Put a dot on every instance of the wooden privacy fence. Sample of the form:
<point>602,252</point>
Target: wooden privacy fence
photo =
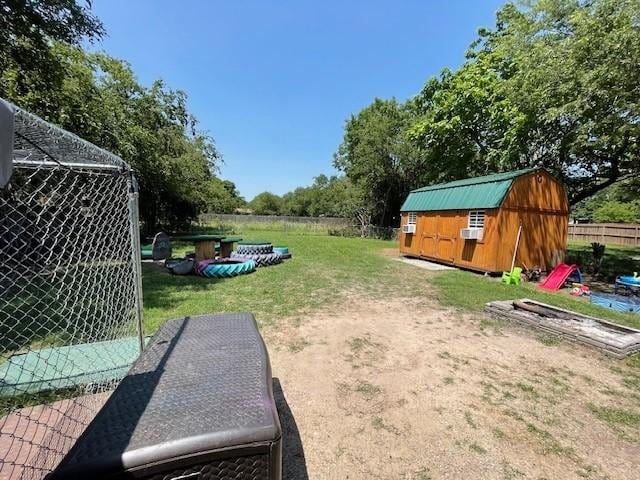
<point>618,233</point>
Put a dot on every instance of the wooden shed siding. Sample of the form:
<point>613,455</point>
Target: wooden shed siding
<point>543,240</point>
<point>540,202</point>
<point>529,193</point>
<point>537,200</point>
<point>438,237</point>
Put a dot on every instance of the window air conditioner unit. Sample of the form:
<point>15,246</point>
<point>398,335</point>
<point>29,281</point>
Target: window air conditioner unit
<point>409,228</point>
<point>471,233</point>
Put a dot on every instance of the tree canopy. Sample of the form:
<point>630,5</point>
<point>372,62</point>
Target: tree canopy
<point>554,83</point>
<point>571,67</point>
<point>28,64</point>
<point>99,98</point>
<point>266,203</point>
<point>619,203</point>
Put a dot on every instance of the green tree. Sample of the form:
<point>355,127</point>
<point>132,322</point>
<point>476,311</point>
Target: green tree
<point>571,68</point>
<point>613,211</point>
<point>266,203</point>
<point>555,84</point>
<point>617,203</point>
<point>327,196</point>
<point>377,157</point>
<point>28,30</point>
<point>466,126</point>
<point>100,100</point>
<point>45,20</point>
<point>297,202</point>
<point>223,197</point>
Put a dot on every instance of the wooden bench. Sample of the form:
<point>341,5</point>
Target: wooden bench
<point>197,404</point>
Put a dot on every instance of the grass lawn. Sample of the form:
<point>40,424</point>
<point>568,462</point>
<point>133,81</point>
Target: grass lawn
<point>471,291</point>
<point>325,269</point>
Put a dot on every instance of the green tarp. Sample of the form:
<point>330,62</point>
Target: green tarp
<point>68,366</point>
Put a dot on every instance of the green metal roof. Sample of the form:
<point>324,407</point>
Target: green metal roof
<point>479,192</point>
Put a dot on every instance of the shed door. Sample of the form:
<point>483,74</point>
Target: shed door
<point>429,234</point>
<point>447,236</point>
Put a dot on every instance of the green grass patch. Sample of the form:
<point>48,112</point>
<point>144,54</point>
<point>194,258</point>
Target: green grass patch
<point>368,390</point>
<point>623,421</point>
<point>297,345</point>
<point>510,472</point>
<point>527,389</point>
<point>632,381</point>
<point>616,416</point>
<point>9,404</point>
<point>322,271</point>
<point>470,420</point>
<point>549,340</point>
<point>378,423</point>
<point>549,443</point>
<point>477,448</point>
<point>471,291</point>
<point>498,433</point>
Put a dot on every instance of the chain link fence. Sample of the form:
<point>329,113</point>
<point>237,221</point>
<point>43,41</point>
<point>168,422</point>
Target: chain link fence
<point>70,289</point>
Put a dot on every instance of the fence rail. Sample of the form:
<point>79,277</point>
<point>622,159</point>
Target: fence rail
<point>232,218</point>
<point>616,233</point>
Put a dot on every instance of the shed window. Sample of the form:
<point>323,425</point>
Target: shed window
<point>412,218</point>
<point>476,219</point>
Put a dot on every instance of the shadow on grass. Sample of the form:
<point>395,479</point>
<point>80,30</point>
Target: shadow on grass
<point>79,303</point>
<point>618,260</point>
<point>159,285</point>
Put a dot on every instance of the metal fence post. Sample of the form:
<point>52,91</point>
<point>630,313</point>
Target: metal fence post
<point>136,257</point>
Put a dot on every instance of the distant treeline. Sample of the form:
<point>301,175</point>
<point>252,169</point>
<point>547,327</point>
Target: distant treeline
<point>327,196</point>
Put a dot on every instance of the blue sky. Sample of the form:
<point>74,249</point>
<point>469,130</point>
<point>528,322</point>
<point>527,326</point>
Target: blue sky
<point>274,81</point>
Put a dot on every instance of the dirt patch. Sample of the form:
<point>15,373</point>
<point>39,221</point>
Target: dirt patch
<point>391,252</point>
<point>400,389</point>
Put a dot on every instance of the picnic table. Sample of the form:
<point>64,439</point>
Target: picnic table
<point>226,245</point>
<point>205,244</point>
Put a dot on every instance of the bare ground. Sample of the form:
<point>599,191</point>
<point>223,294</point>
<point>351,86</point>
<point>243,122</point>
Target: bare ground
<point>400,388</point>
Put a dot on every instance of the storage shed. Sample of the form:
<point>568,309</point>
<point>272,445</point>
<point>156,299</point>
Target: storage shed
<point>474,223</point>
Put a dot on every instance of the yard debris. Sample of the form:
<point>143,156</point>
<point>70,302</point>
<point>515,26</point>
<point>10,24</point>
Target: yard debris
<point>580,290</point>
<point>615,340</point>
<point>629,285</point>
